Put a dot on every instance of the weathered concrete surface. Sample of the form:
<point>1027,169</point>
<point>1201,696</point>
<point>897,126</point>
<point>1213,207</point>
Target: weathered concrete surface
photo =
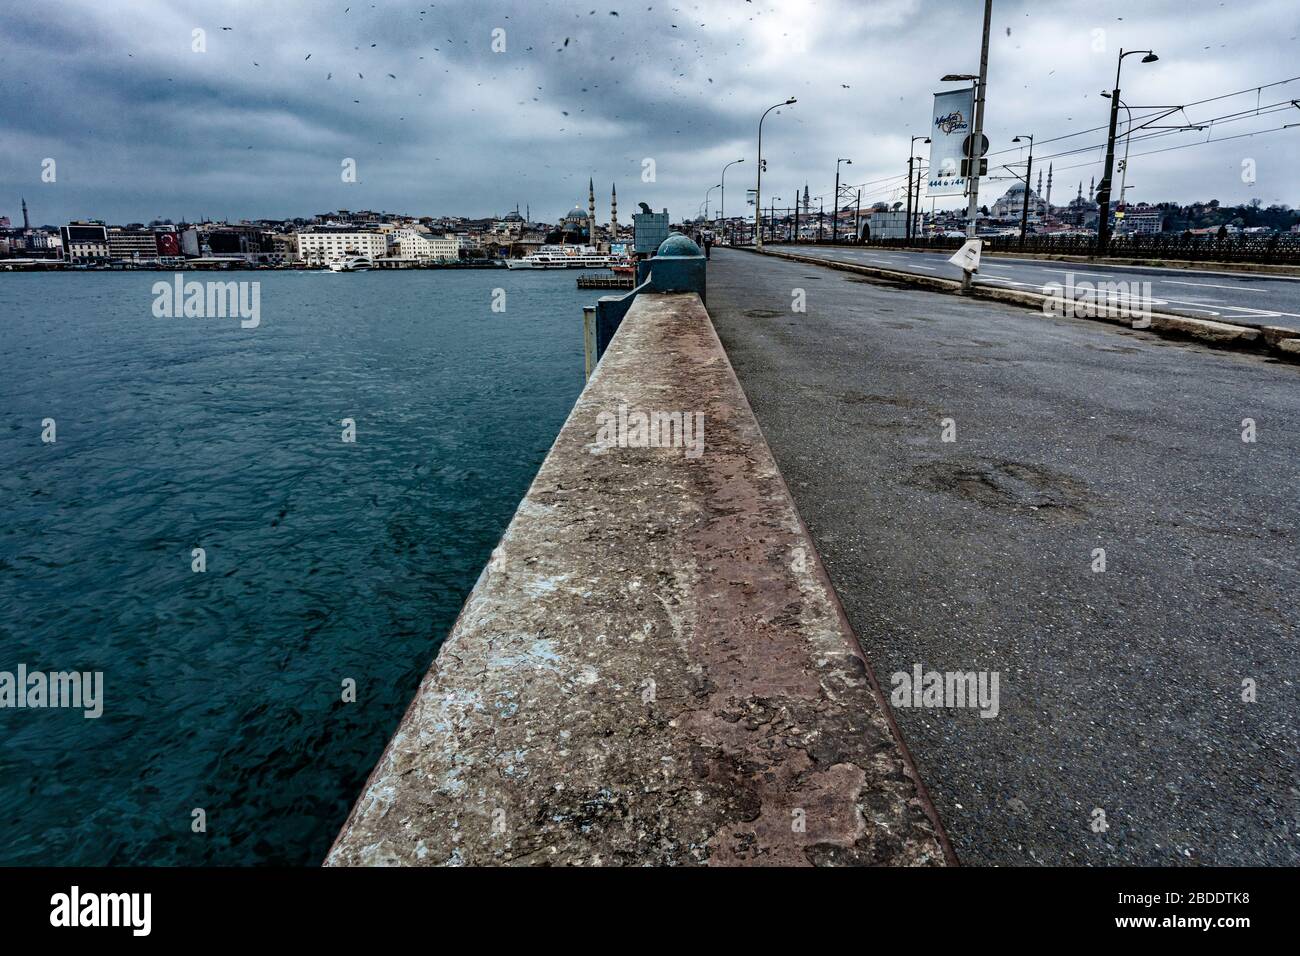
<point>1120,690</point>
<point>653,668</point>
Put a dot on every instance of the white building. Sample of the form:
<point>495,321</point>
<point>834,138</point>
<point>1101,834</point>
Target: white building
<point>327,246</point>
<point>1142,219</point>
<point>421,245</point>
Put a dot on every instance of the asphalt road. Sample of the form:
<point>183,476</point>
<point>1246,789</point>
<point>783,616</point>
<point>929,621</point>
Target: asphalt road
<point>1120,690</point>
<point>1240,297</point>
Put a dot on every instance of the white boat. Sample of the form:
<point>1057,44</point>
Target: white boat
<point>565,257</point>
<point>351,264</point>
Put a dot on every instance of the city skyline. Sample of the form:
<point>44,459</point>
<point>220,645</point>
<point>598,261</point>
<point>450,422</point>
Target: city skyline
<point>260,122</point>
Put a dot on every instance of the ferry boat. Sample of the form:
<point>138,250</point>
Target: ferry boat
<point>351,264</point>
<point>565,257</point>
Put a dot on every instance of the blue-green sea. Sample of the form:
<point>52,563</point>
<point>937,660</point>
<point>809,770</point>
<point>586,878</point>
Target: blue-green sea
<point>326,561</point>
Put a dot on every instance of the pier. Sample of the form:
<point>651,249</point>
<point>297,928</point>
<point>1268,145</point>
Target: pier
<point>653,667</point>
<point>605,282</point>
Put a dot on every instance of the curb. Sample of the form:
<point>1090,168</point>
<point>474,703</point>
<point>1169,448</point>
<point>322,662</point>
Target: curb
<point>1283,271</point>
<point>1274,341</point>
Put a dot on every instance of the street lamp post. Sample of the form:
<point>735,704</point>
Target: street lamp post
<point>771,216</point>
<point>1103,190</point>
<point>707,193</point>
<point>758,185</point>
<point>835,216</point>
<point>722,202</point>
<point>911,148</point>
<point>1029,169</point>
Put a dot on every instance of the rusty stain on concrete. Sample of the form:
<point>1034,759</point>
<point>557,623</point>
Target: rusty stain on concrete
<point>653,668</point>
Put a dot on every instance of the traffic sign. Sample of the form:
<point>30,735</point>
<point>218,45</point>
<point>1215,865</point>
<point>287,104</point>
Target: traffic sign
<point>968,142</point>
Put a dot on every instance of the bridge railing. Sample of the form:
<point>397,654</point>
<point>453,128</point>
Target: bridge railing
<point>1280,249</point>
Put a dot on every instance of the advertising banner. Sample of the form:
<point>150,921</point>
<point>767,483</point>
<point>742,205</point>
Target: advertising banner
<point>950,124</point>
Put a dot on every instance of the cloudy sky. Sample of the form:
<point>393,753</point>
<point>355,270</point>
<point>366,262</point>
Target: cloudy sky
<point>143,125</point>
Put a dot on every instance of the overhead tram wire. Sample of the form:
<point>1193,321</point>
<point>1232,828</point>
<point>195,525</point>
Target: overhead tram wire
<point>1210,99</point>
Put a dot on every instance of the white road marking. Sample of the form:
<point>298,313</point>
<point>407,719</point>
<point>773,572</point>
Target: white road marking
<point>1207,285</point>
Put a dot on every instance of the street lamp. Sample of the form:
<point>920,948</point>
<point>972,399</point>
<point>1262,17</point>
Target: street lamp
<point>1029,169</point>
<point>707,193</point>
<point>758,185</point>
<point>722,214</point>
<point>835,216</point>
<point>1103,192</point>
<point>911,148</point>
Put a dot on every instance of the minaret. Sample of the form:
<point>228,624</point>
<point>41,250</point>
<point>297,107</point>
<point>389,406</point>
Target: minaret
<point>591,212</point>
<point>613,213</point>
<point>807,202</point>
<point>1049,187</point>
<point>1092,188</point>
<point>27,226</point>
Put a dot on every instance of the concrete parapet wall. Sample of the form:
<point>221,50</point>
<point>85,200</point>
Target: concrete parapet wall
<point>653,667</point>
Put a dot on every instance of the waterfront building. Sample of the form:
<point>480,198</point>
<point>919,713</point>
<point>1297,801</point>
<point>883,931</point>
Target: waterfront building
<point>323,246</point>
<point>84,241</point>
<point>134,244</point>
<point>420,245</point>
<point>286,246</point>
<point>248,242</point>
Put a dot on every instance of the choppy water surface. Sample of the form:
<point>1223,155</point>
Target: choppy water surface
<point>325,560</point>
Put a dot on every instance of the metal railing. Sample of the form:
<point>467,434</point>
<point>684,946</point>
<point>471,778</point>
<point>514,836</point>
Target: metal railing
<point>1283,249</point>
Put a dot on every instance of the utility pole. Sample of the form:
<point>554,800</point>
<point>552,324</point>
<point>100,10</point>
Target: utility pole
<point>796,214</point>
<point>821,215</point>
<point>917,205</point>
<point>1029,169</point>
<point>857,219</point>
<point>907,228</point>
<point>835,221</point>
<point>977,139</point>
<point>1103,191</point>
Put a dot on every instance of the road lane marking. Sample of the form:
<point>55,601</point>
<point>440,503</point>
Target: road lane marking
<point>1208,285</point>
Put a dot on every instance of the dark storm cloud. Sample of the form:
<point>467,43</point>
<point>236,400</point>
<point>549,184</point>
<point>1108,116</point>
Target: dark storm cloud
<point>142,126</point>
